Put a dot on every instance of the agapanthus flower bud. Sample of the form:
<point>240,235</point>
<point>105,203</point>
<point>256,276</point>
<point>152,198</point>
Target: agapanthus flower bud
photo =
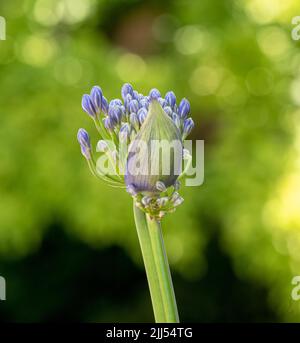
<point>144,166</point>
<point>160,186</point>
<point>124,132</point>
<point>108,124</point>
<point>127,100</point>
<point>162,201</point>
<point>188,125</point>
<point>115,115</point>
<point>144,103</point>
<point>142,113</point>
<point>88,106</point>
<point>171,98</point>
<point>184,108</point>
<point>154,94</point>
<point>134,120</point>
<point>176,119</point>
<point>126,89</point>
<point>162,102</point>
<point>102,146</point>
<point>115,102</point>
<point>104,105</point>
<point>133,106</point>
<point>146,200</point>
<point>175,196</point>
<point>96,96</point>
<point>84,141</point>
<point>135,95</point>
<point>178,201</point>
<point>168,110</point>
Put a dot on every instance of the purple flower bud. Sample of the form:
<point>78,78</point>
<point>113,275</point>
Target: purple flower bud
<point>123,111</point>
<point>127,101</point>
<point>124,132</point>
<point>134,120</point>
<point>176,119</point>
<point>162,102</point>
<point>115,114</point>
<point>88,105</point>
<point>84,141</point>
<point>188,125</point>
<point>133,106</point>
<point>154,93</point>
<point>126,89</point>
<point>168,110</point>
<point>184,108</point>
<point>104,105</point>
<point>135,95</point>
<point>171,98</point>
<point>115,102</point>
<point>108,124</point>
<point>142,113</point>
<point>96,96</point>
<point>144,103</point>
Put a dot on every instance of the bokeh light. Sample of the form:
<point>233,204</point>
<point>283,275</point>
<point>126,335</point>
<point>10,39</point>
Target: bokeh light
<point>130,66</point>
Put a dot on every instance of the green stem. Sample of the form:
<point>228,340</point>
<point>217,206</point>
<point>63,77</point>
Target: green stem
<point>157,268</point>
<point>163,269</point>
<point>101,129</point>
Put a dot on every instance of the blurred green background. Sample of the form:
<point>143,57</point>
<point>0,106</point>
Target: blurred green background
<point>68,246</point>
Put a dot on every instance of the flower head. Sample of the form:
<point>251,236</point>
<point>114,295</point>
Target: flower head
<point>144,131</point>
